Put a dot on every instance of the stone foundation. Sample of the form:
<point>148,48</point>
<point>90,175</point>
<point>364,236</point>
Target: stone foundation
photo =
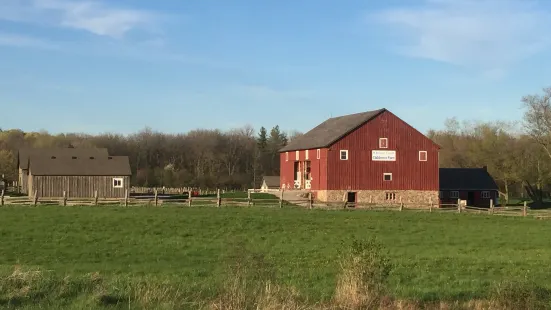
<point>409,198</point>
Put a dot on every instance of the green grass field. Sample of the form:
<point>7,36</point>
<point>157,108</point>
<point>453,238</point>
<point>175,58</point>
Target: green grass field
<point>435,256</point>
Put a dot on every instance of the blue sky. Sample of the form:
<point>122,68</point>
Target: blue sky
<point>119,66</point>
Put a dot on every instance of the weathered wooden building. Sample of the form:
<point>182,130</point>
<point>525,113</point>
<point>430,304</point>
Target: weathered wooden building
<point>23,156</point>
<point>270,182</point>
<point>474,185</point>
<point>50,176</point>
<point>372,156</point>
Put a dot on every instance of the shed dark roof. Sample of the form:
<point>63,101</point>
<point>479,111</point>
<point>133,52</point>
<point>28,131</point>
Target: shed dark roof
<point>331,131</point>
<point>26,153</point>
<point>101,166</point>
<point>272,180</point>
<point>466,179</point>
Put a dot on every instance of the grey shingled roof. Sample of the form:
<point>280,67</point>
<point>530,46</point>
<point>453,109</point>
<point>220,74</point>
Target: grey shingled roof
<point>466,179</point>
<point>272,180</point>
<point>25,153</point>
<point>330,131</point>
<point>84,166</point>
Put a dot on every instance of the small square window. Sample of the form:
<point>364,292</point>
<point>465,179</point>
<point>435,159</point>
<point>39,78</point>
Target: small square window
<point>344,154</point>
<point>390,196</point>
<point>387,176</point>
<point>318,153</point>
<point>383,143</point>
<point>485,194</point>
<point>306,154</point>
<point>297,155</point>
<point>422,155</point>
<point>118,182</point>
<point>286,156</point>
<point>454,194</point>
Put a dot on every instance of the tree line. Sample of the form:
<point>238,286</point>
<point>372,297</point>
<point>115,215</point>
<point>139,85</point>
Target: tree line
<point>517,154</point>
<point>236,158</point>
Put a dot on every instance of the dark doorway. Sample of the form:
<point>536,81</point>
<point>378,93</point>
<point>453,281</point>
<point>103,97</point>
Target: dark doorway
<point>351,199</point>
<point>470,199</point>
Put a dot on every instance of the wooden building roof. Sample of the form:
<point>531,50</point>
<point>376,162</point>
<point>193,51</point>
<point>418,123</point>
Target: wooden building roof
<point>79,166</point>
<point>466,179</point>
<point>330,131</point>
<point>272,180</point>
<point>24,154</point>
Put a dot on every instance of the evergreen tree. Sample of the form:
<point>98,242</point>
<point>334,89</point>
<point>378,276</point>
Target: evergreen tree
<point>262,140</point>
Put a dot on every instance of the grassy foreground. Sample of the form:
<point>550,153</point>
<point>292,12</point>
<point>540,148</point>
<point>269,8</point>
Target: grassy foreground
<point>116,257</point>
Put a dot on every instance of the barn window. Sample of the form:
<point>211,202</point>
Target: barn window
<point>383,143</point>
<point>454,194</point>
<point>297,155</point>
<point>306,154</point>
<point>286,156</point>
<point>387,176</point>
<point>390,196</point>
<point>486,194</point>
<point>422,155</point>
<point>118,182</point>
<point>344,154</point>
<point>318,153</point>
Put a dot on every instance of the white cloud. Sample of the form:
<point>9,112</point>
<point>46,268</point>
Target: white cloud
<point>16,40</point>
<point>93,16</point>
<point>487,34</point>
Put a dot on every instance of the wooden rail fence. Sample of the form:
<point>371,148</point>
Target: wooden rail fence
<point>309,203</point>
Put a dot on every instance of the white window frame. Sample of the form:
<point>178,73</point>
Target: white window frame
<point>381,145</point>
<point>454,194</point>
<point>341,152</point>
<point>318,153</point>
<point>426,155</point>
<point>297,155</point>
<point>116,180</point>
<point>440,194</point>
<point>385,174</point>
<point>390,196</point>
<point>286,156</point>
<point>306,154</point>
<point>485,195</point>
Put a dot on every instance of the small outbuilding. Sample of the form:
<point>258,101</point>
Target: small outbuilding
<point>474,185</point>
<point>270,183</point>
<point>81,177</point>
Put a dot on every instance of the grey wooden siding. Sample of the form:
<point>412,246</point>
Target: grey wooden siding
<point>23,182</point>
<point>78,186</point>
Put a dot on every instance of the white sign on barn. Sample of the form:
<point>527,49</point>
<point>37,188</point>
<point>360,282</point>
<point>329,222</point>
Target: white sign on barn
<point>377,155</point>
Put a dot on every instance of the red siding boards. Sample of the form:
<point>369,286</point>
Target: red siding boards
<point>318,168</point>
<point>360,172</point>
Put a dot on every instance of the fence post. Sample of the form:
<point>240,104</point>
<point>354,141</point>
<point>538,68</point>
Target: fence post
<point>281,198</point>
<point>401,204</point>
<point>309,200</point>
<point>248,198</point>
<point>525,209</point>
<point>491,206</point>
<point>189,199</point>
<point>64,198</point>
<point>35,197</point>
<point>156,197</point>
<point>345,199</point>
<point>430,204</point>
<point>126,197</point>
<point>96,198</point>
<point>218,199</point>
<point>2,198</point>
<point>458,205</point>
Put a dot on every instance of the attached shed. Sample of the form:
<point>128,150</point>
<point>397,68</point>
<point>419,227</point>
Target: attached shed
<point>475,185</point>
<point>79,177</point>
<point>24,154</point>
<point>270,183</point>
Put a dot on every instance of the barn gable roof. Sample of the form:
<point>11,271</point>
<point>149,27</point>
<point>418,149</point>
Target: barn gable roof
<point>272,180</point>
<point>79,166</point>
<point>466,179</point>
<point>330,131</point>
<point>24,154</point>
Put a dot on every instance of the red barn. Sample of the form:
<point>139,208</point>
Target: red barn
<point>474,185</point>
<point>372,156</point>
